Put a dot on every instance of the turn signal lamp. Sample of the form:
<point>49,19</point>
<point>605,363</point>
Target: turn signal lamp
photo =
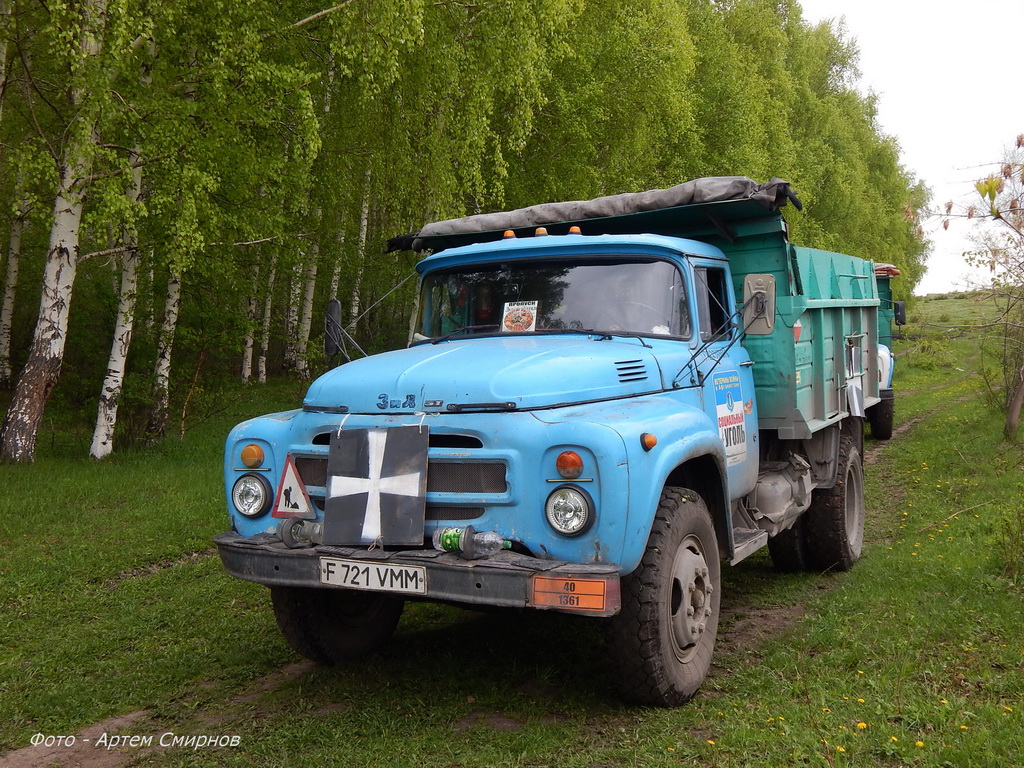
<point>569,465</point>
<point>541,231</point>
<point>509,235</point>
<point>252,456</point>
<point>648,441</point>
<point>574,230</point>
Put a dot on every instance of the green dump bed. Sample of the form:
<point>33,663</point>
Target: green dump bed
<point>819,364</point>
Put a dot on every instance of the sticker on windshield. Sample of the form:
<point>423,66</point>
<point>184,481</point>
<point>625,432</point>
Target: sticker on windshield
<point>732,415</point>
<point>519,316</point>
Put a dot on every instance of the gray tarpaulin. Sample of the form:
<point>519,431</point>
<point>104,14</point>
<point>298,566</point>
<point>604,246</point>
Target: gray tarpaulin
<point>771,195</point>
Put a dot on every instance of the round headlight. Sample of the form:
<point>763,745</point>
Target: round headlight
<point>569,510</point>
<point>251,495</point>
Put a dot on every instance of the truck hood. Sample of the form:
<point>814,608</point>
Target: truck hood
<point>519,372</point>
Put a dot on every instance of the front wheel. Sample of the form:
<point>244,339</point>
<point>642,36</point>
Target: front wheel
<point>662,640</point>
<point>331,625</point>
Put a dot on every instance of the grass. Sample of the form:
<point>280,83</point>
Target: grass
<point>113,604</point>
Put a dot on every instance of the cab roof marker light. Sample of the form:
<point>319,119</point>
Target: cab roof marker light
<point>509,235</point>
<point>540,231</point>
<point>575,230</point>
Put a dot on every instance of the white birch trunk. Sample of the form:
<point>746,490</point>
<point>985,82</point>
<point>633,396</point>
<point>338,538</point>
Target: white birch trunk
<point>291,320</point>
<point>357,281</point>
<point>261,368</point>
<point>162,372</point>
<point>42,369</point>
<point>251,304</point>
<point>113,382</point>
<point>10,291</point>
<point>336,272</point>
<point>306,315</point>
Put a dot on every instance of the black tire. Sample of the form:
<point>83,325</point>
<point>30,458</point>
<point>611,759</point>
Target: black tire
<point>835,520</point>
<point>662,640</point>
<point>789,549</point>
<point>332,625</point>
<point>880,417</point>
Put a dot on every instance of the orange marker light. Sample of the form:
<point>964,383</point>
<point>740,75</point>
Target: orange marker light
<point>509,235</point>
<point>648,441</point>
<point>541,231</point>
<point>569,465</point>
<point>574,230</point>
<point>252,456</point>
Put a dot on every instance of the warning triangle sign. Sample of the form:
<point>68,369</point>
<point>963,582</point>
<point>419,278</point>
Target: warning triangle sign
<point>292,499</point>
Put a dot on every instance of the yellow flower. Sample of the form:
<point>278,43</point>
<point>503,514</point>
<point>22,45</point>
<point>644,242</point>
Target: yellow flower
<point>825,709</point>
<point>861,726</point>
<point>860,701</point>
<point>963,727</point>
<point>840,749</point>
<point>1008,709</point>
<point>918,743</point>
<point>711,742</point>
<point>894,738</point>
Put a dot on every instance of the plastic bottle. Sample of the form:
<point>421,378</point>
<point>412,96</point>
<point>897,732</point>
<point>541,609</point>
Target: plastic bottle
<point>470,544</point>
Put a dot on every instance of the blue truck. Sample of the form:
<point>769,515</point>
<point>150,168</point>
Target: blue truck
<point>601,402</point>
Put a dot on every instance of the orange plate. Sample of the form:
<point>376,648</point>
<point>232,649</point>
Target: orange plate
<point>569,594</point>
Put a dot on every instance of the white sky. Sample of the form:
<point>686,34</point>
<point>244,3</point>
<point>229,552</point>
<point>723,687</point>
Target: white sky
<point>948,77</point>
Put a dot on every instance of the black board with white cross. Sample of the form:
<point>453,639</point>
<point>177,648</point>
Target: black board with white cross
<point>376,487</point>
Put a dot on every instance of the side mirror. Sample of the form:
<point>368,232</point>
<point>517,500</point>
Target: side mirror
<point>899,310</point>
<point>759,304</point>
<point>332,328</point>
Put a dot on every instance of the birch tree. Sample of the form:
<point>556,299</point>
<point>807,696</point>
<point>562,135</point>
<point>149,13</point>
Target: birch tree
<point>74,162</point>
<point>999,237</point>
<point>113,381</point>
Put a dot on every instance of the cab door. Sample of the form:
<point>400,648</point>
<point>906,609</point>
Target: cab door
<point>725,369</point>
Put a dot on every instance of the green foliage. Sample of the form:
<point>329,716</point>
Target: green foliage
<point>262,129</point>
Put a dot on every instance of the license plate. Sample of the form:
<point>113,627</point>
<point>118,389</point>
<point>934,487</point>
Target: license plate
<point>379,577</point>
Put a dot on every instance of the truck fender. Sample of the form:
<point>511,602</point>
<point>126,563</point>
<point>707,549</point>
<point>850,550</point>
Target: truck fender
<point>696,460</point>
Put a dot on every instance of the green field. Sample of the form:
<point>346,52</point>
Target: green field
<point>117,619</point>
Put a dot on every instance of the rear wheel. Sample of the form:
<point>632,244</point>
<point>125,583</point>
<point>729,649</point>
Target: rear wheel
<point>331,625</point>
<point>789,550</point>
<point>663,638</point>
<point>880,417</point>
<point>835,520</point>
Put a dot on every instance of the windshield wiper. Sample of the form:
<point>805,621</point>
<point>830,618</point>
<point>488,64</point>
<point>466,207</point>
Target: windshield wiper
<point>464,329</point>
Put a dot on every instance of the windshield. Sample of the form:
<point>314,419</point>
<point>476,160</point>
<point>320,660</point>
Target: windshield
<point>611,295</point>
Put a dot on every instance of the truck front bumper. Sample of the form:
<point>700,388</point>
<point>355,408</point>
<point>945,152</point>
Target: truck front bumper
<point>506,579</point>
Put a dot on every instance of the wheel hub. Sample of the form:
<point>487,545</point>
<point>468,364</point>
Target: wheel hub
<point>691,598</point>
